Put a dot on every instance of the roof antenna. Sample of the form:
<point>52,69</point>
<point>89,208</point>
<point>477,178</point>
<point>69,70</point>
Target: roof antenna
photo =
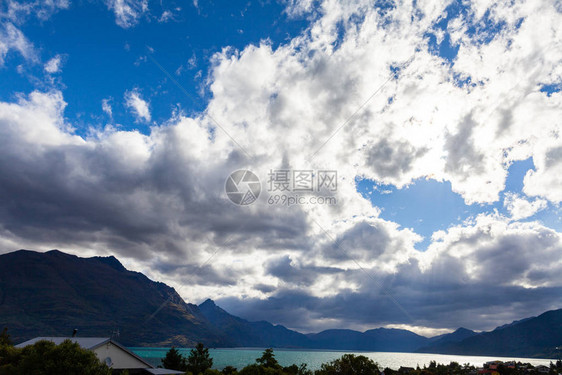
<point>74,332</point>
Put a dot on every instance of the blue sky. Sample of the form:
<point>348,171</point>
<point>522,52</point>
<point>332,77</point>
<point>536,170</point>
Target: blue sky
<point>110,114</point>
<point>103,60</point>
<point>428,205</point>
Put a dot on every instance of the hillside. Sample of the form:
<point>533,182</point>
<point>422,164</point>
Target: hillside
<point>50,294</point>
<point>251,334</point>
<point>380,339</point>
<point>265,334</point>
<point>532,337</point>
<point>436,343</point>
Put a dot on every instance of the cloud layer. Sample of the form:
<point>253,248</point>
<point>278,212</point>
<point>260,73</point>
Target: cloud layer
<point>361,91</point>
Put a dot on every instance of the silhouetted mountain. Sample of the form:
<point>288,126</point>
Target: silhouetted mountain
<point>50,294</point>
<point>380,339</point>
<point>513,323</point>
<point>437,342</point>
<point>264,334</point>
<point>251,334</point>
<point>534,337</point>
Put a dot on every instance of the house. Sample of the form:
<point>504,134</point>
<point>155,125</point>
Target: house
<point>110,352</point>
<point>542,369</point>
<point>493,365</point>
<point>488,372</point>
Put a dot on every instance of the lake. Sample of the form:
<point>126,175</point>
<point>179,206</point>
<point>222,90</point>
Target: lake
<point>241,357</point>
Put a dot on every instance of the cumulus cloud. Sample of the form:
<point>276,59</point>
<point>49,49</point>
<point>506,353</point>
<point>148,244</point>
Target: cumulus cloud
<point>472,270</point>
<point>360,91</point>
<point>521,208</point>
<point>137,105</point>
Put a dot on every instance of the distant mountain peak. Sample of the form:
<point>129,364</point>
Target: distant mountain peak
<point>462,329</point>
<point>209,302</point>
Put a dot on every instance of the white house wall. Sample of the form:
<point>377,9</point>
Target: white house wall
<point>120,358</point>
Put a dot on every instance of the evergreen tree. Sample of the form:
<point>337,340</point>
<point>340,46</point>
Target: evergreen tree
<point>5,337</point>
<point>268,360</point>
<point>199,360</point>
<point>350,364</point>
<point>174,360</point>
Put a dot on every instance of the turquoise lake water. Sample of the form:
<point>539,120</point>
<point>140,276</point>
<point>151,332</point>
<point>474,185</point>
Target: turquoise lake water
<point>314,358</point>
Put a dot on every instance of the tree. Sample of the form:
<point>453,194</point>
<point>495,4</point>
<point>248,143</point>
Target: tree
<point>9,358</point>
<point>297,370</point>
<point>199,360</point>
<point>229,370</point>
<point>46,358</point>
<point>349,364</point>
<point>268,360</point>
<point>5,337</point>
<point>174,360</point>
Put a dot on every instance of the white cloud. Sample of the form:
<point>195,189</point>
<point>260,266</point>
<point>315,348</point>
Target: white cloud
<point>139,106</point>
<point>521,208</point>
<point>19,11</point>
<point>106,107</point>
<point>127,12</point>
<point>11,38</point>
<point>54,65</point>
<point>168,15</point>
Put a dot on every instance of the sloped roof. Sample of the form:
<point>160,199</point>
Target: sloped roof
<point>89,343</point>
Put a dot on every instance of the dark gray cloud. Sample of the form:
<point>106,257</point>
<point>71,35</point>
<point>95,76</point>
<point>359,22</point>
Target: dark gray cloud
<point>392,158</point>
<point>486,287</point>
<point>86,193</point>
<point>283,269</point>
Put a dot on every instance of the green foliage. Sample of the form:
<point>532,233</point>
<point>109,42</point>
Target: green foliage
<point>229,370</point>
<point>253,369</point>
<point>297,370</point>
<point>199,360</point>
<point>349,364</point>
<point>268,360</point>
<point>46,358</point>
<point>174,360</point>
<point>9,358</point>
<point>5,337</point>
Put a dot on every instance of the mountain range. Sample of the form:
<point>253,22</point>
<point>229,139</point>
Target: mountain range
<point>52,293</point>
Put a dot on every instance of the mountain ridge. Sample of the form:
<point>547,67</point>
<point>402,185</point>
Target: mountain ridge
<point>51,293</point>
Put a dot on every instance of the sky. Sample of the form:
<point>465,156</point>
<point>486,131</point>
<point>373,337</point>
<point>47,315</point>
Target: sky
<point>401,160</point>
